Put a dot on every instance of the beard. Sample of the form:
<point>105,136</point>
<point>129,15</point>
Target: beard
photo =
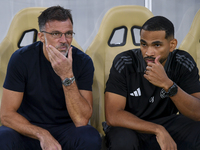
<point>64,52</point>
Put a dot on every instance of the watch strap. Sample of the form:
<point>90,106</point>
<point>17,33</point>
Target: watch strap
<point>171,91</point>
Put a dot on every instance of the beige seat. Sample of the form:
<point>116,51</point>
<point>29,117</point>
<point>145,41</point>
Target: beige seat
<point>191,42</point>
<point>24,21</point>
<point>102,50</point>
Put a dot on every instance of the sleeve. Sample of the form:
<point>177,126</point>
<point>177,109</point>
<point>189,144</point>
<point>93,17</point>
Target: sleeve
<point>85,78</point>
<point>189,81</point>
<point>15,78</point>
<point>117,78</point>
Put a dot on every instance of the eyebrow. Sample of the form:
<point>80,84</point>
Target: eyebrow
<point>56,31</point>
<point>141,40</point>
<point>155,42</point>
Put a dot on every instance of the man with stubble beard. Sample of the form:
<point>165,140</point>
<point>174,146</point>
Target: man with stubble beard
<point>47,96</point>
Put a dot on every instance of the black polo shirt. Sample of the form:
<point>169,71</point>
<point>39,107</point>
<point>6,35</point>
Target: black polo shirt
<point>31,73</point>
<point>143,98</point>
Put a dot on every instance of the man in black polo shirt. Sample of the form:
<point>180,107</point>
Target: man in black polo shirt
<point>145,90</point>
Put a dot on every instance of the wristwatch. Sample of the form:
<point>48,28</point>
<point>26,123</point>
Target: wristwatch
<point>68,81</point>
<point>171,92</point>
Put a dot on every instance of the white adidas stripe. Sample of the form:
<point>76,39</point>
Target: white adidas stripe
<point>136,93</point>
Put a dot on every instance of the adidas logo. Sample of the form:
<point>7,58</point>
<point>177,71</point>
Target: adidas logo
<point>136,93</point>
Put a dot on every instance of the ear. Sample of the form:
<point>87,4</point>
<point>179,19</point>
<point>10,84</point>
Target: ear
<point>173,44</point>
<point>41,37</point>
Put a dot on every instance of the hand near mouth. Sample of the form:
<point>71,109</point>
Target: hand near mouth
<point>155,73</point>
<point>61,64</point>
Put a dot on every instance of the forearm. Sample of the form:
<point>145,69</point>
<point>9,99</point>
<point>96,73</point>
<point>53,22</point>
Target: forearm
<point>127,120</point>
<point>22,125</point>
<point>78,105</point>
<point>117,116</point>
<point>187,104</point>
<point>80,110</point>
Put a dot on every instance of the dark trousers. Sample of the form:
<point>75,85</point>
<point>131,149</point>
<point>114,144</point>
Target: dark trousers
<point>70,138</point>
<point>184,131</point>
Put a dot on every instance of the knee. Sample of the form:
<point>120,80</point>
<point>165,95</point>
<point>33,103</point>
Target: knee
<point>192,139</point>
<point>7,134</point>
<point>124,143</point>
<point>89,138</point>
<point>8,138</point>
<point>121,138</point>
<point>196,141</point>
<point>194,136</point>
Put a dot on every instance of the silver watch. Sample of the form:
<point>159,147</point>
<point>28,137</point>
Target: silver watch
<point>68,81</point>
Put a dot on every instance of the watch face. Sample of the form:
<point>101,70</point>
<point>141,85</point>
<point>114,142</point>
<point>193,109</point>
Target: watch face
<point>67,82</point>
<point>173,90</point>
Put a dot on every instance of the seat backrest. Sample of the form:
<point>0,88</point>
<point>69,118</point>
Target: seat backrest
<point>23,22</point>
<point>191,42</point>
<point>102,50</point>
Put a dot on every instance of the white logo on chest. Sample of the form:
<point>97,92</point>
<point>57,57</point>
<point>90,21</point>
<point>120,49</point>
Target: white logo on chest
<point>136,93</point>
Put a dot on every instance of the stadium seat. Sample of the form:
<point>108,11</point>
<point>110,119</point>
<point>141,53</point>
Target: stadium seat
<point>119,31</point>
<point>191,42</point>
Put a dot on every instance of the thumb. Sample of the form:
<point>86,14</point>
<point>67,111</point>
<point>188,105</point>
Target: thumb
<point>157,60</point>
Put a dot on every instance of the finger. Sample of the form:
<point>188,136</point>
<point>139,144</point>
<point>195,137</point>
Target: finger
<point>49,53</point>
<point>146,76</point>
<point>151,64</point>
<point>49,49</point>
<point>148,68</point>
<point>54,51</point>
<point>70,53</point>
<point>175,146</point>
<point>157,60</point>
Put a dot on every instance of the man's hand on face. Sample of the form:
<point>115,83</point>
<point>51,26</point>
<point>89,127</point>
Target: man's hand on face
<point>155,73</point>
<point>61,64</point>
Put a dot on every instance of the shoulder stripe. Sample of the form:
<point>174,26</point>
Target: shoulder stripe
<point>122,62</point>
<point>181,59</point>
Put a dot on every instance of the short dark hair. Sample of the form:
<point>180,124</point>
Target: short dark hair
<point>159,23</point>
<point>54,13</point>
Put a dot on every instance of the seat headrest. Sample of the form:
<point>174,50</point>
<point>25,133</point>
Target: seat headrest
<point>191,42</point>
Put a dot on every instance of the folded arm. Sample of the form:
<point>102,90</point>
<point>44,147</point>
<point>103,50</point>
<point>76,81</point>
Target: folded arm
<point>78,102</point>
<point>187,104</point>
<point>117,116</point>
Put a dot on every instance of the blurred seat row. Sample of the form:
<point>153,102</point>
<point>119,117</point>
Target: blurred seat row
<point>119,31</point>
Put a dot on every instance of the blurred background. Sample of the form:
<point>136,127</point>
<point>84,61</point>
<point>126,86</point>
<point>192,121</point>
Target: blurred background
<point>88,14</point>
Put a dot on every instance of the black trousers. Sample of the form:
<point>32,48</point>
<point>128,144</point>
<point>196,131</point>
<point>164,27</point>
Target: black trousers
<point>184,131</point>
<point>69,136</point>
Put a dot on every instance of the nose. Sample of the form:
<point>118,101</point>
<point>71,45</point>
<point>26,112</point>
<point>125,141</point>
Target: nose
<point>63,39</point>
<point>150,51</point>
